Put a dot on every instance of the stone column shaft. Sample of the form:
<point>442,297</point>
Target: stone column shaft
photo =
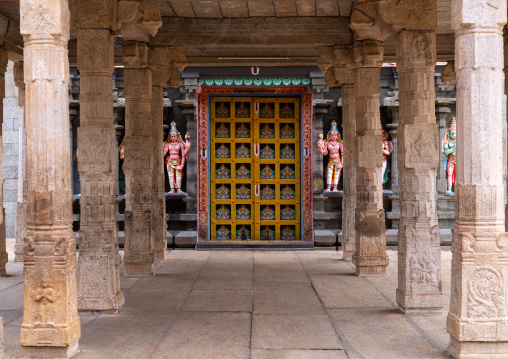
<point>442,113</point>
<point>3,249</point>
<point>349,172</point>
<point>159,200</point>
<point>139,237</point>
<point>22,202</point>
<point>370,256</point>
<point>418,158</point>
<point>51,325</point>
<point>478,317</point>
<point>99,260</point>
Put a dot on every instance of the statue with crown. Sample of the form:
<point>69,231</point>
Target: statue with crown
<point>333,146</point>
<point>449,148</point>
<point>178,150</point>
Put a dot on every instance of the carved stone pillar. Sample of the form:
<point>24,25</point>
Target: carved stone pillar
<point>21,208</point>
<point>139,163</point>
<point>418,156</point>
<point>99,260</point>
<point>51,325</point>
<point>188,111</point>
<point>321,108</point>
<point>370,256</point>
<point>442,114</point>
<point>3,250</point>
<point>394,166</point>
<point>349,172</point>
<point>478,317</point>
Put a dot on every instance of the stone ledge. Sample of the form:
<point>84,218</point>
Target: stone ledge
<point>324,237</point>
<point>324,216</point>
<point>186,239</point>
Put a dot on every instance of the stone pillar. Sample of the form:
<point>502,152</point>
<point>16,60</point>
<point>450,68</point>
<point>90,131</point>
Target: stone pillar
<point>99,260</point>
<point>394,167</point>
<point>321,108</point>
<point>418,156</point>
<point>139,164</point>
<point>3,249</point>
<point>349,172</point>
<point>442,115</point>
<point>51,325</point>
<point>159,200</point>
<point>21,208</point>
<point>188,111</point>
<point>370,256</point>
<point>478,317</point>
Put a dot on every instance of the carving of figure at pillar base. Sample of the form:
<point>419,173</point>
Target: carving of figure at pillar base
<point>449,148</point>
<point>387,151</point>
<point>332,144</point>
<point>174,162</point>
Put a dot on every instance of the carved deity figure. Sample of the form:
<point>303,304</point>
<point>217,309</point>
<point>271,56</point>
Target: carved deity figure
<point>45,297</point>
<point>121,150</point>
<point>332,145</point>
<point>448,147</point>
<point>174,162</point>
<point>387,151</point>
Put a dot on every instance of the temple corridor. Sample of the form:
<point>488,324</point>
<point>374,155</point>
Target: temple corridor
<point>246,304</point>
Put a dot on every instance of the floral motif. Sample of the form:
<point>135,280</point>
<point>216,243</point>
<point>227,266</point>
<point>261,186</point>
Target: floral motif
<point>267,173</point>
<point>287,112</point>
<point>242,192</point>
<point>267,214</point>
<point>223,233</point>
<point>267,153</point>
<point>242,131</point>
<point>267,234</point>
<point>242,152</point>
<point>267,112</point>
<point>287,132</point>
<point>222,131</point>
<point>267,193</point>
<point>287,214</point>
<point>287,193</point>
<point>287,153</point>
<point>223,213</point>
<point>222,172</point>
<point>223,192</point>
<point>267,132</point>
<point>242,213</point>
<point>222,111</point>
<point>242,172</point>
<point>287,173</point>
<point>243,233</point>
<point>222,152</point>
<point>242,111</point>
<point>287,234</point>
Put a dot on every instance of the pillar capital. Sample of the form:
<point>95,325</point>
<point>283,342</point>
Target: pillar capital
<point>135,55</point>
<point>368,53</point>
<point>470,14</point>
<point>166,63</point>
<point>93,14</point>
<point>19,75</point>
<point>138,20</point>
<point>417,50</point>
<point>338,65</point>
<point>42,19</point>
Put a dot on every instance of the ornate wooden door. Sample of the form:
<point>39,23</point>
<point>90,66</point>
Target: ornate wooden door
<point>255,168</point>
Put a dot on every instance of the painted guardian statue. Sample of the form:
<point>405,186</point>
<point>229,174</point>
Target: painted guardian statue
<point>449,148</point>
<point>174,162</point>
<point>387,151</point>
<point>332,145</point>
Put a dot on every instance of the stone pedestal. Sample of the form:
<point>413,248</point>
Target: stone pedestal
<point>370,256</point>
<point>22,202</point>
<point>349,172</point>
<point>99,260</point>
<point>51,325</point>
<point>3,250</point>
<point>419,253</point>
<point>478,317</point>
<point>139,236</point>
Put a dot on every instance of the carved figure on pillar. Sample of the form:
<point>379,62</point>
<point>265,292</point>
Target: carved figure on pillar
<point>174,162</point>
<point>333,145</point>
<point>449,148</point>
<point>387,151</point>
<point>121,151</point>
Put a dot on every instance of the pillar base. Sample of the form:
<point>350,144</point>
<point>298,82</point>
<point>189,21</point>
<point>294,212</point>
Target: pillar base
<point>420,303</point>
<point>139,269</point>
<point>348,255</point>
<point>3,261</point>
<point>110,305</point>
<point>477,350</point>
<point>51,352</point>
<point>370,265</point>
<point>160,255</point>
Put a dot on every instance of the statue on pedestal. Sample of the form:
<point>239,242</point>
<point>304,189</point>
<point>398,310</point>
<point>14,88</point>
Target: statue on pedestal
<point>332,144</point>
<point>174,162</point>
<point>387,151</point>
<point>448,147</point>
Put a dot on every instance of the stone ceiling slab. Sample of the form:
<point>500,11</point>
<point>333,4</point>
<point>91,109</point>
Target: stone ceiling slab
<point>234,8</point>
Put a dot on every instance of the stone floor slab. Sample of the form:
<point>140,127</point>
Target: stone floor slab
<point>287,300</point>
<point>298,354</point>
<point>293,332</point>
<point>225,300</point>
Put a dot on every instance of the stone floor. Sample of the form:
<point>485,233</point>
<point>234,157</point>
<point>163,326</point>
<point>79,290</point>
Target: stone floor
<point>244,304</point>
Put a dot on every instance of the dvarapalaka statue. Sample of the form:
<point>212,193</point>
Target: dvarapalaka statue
<point>332,144</point>
<point>387,151</point>
<point>448,147</point>
<point>174,162</point>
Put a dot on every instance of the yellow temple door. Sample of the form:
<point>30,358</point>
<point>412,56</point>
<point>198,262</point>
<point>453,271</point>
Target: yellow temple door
<point>255,168</point>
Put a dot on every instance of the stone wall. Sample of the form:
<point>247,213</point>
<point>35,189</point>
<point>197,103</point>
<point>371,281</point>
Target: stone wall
<point>10,151</point>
